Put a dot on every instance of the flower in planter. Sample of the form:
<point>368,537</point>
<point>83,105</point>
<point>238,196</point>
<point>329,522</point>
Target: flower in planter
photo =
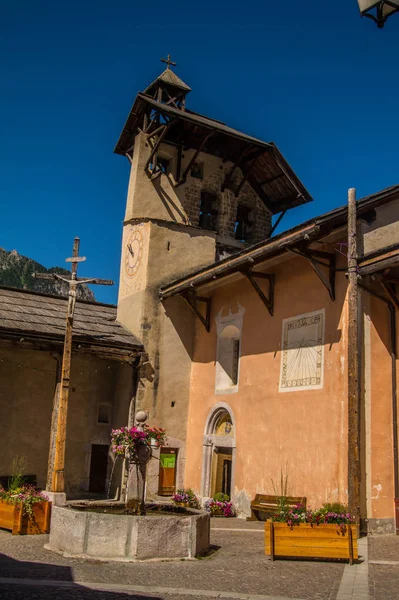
<point>299,514</point>
<point>128,440</point>
<point>222,508</point>
<point>26,496</point>
<point>186,497</point>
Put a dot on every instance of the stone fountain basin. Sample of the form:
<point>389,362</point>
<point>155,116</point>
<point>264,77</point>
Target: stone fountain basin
<point>104,536</point>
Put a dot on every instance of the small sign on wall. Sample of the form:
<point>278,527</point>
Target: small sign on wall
<point>302,357</point>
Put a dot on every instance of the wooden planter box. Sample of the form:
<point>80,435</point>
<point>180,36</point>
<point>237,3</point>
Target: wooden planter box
<point>315,541</point>
<point>12,517</point>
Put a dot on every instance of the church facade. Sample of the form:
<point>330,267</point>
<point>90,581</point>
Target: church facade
<point>246,334</point>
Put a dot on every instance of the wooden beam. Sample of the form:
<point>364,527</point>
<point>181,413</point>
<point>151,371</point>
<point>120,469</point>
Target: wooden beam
<point>372,265</point>
<point>263,196</point>
<point>194,158</point>
<point>312,257</point>
<point>271,179</point>
<point>277,223</point>
<point>246,175</point>
<point>390,290</point>
<point>157,144</point>
<point>229,175</point>
<point>268,301</point>
<point>156,131</point>
<point>353,364</point>
<point>191,298</point>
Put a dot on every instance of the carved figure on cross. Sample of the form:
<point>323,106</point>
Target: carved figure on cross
<point>58,432</point>
<point>168,62</point>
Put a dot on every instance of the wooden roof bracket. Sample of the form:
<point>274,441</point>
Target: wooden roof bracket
<point>229,175</point>
<point>252,276</point>
<point>194,158</point>
<point>192,299</point>
<point>246,175</point>
<point>313,257</point>
<point>156,146</point>
<point>277,223</point>
<point>389,288</point>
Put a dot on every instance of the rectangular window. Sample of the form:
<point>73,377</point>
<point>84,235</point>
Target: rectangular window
<point>208,211</point>
<point>104,413</point>
<point>163,164</point>
<point>197,170</point>
<point>243,226</point>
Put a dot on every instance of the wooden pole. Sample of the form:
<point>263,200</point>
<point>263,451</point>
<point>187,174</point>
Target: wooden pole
<point>54,416</point>
<point>58,478</point>
<point>353,365</point>
<point>59,423</point>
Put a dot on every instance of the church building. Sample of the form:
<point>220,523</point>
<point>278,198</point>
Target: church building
<point>233,339</point>
<point>246,334</point>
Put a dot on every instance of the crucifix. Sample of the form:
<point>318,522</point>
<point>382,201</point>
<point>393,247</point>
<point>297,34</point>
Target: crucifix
<point>58,464</point>
<point>168,62</point>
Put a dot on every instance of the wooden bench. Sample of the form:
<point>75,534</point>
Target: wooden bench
<point>263,507</point>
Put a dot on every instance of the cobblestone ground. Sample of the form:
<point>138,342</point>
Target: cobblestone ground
<point>384,567</point>
<point>237,569</point>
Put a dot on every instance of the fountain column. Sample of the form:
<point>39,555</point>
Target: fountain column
<point>135,494</point>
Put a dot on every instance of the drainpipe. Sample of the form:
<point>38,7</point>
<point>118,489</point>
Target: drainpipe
<point>392,319</point>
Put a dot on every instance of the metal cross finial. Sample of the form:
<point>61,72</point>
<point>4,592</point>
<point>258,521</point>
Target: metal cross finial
<point>168,62</point>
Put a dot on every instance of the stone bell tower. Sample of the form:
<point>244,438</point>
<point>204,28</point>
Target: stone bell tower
<point>198,191</point>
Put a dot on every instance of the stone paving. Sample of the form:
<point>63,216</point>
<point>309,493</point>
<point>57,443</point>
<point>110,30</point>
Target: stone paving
<point>237,570</point>
<point>384,567</point>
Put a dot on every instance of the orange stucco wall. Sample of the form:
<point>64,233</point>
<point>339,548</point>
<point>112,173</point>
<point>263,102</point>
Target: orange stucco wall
<point>303,433</point>
<point>381,485</point>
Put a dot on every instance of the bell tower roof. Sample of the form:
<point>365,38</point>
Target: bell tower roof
<point>168,88</point>
<point>169,78</point>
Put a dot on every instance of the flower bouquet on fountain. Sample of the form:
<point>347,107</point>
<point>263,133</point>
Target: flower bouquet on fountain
<point>127,441</point>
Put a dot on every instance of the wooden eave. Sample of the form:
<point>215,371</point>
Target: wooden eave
<point>39,319</point>
<point>315,229</point>
<point>80,345</point>
<point>384,258</point>
<point>261,163</point>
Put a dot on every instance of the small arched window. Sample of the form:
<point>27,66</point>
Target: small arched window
<point>228,359</point>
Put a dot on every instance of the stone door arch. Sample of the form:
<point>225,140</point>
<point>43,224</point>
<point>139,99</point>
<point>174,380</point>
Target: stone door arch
<point>219,436</point>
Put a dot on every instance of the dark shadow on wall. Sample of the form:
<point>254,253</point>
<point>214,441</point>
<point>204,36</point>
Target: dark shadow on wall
<point>49,581</point>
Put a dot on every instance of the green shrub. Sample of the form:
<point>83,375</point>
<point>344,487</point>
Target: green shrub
<point>220,497</point>
<point>335,507</point>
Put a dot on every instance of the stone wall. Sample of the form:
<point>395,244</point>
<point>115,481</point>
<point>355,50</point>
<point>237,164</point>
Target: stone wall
<point>160,199</point>
<point>214,173</point>
<point>27,383</point>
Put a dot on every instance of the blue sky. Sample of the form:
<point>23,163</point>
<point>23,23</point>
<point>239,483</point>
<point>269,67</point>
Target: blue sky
<point>322,85</point>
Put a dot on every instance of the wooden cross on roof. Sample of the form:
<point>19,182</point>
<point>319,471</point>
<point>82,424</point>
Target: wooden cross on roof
<point>58,433</point>
<point>168,62</point>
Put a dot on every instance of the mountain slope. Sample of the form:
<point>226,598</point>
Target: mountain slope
<point>16,271</point>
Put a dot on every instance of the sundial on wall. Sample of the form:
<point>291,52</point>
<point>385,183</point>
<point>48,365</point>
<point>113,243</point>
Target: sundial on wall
<point>302,352</point>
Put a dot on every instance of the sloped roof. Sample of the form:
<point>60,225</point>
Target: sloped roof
<point>264,166</point>
<point>313,229</point>
<point>169,77</point>
<point>43,316</point>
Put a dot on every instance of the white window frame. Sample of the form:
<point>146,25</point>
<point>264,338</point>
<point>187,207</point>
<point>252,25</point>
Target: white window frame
<point>231,320</point>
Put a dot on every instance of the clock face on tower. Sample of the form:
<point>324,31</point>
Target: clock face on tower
<point>133,252</point>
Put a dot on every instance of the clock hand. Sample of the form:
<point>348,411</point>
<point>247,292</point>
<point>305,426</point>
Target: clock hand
<point>129,247</point>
